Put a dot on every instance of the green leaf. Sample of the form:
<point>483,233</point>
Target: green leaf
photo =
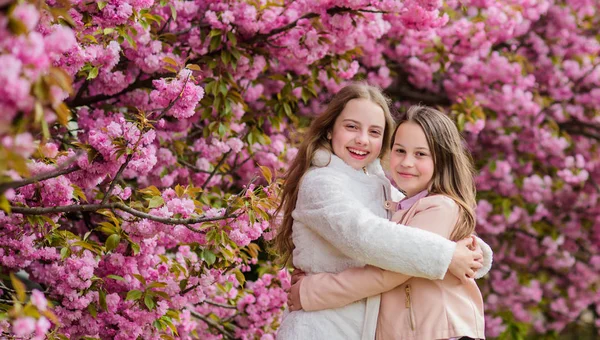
<point>112,242</point>
<point>65,252</point>
<point>232,39</point>
<point>135,247</point>
<point>239,276</point>
<point>102,299</point>
<point>209,256</point>
<point>222,129</point>
<point>157,285</point>
<point>78,193</point>
<point>173,12</point>
<point>101,5</point>
<point>115,277</point>
<point>183,284</point>
<point>92,309</point>
<point>155,202</point>
<point>140,278</point>
<point>149,302</point>
<point>130,41</point>
<point>506,208</point>
<point>4,204</point>
<point>171,61</point>
<point>19,287</point>
<point>93,73</point>
<point>215,42</point>
<point>134,295</point>
<point>266,173</point>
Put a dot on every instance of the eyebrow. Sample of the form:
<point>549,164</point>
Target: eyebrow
<point>357,122</point>
<point>418,148</point>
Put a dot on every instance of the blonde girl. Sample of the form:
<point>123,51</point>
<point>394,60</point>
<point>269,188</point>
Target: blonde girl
<point>428,162</point>
<point>334,216</point>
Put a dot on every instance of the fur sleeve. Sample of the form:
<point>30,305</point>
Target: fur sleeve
<point>327,207</point>
<point>488,257</point>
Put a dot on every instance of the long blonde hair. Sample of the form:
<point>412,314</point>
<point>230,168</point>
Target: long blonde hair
<point>314,139</point>
<point>453,173</point>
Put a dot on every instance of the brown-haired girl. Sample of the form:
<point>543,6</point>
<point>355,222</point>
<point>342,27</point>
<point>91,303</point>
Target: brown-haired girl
<point>334,216</point>
<point>430,164</point>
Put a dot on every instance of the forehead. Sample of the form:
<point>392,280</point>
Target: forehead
<point>364,112</point>
<point>411,134</point>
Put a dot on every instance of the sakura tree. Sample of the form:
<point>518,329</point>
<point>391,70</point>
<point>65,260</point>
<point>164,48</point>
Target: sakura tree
<point>141,143</point>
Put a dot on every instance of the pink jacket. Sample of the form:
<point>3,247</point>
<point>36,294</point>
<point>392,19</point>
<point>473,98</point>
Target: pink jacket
<point>411,308</point>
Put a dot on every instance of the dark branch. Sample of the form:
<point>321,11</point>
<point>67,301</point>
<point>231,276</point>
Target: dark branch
<point>62,169</point>
<point>120,206</point>
<point>407,92</point>
<point>264,36</point>
<point>576,127</point>
<point>114,180</point>
<point>219,304</point>
<point>216,169</point>
<point>95,99</point>
<point>172,103</point>
<point>213,324</point>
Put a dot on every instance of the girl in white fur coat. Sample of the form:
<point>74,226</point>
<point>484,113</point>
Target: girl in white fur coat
<point>334,216</point>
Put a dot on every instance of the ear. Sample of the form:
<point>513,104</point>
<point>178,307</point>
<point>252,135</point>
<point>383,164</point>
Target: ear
<point>329,135</point>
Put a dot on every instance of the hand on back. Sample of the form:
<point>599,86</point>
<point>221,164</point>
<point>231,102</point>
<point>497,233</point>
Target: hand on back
<point>465,261</point>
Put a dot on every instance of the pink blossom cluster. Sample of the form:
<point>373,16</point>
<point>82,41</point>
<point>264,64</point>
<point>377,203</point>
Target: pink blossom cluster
<point>27,56</point>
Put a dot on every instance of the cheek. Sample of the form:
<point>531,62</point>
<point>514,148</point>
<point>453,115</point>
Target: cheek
<point>377,144</point>
<point>427,169</point>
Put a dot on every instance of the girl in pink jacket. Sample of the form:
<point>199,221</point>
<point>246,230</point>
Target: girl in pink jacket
<point>430,164</point>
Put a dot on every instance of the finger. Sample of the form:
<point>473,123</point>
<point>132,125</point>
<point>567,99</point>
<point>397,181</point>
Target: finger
<point>464,242</point>
<point>476,265</point>
<point>477,256</point>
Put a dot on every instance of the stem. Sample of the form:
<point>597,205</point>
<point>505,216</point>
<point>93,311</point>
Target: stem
<point>216,169</point>
<point>122,168</point>
<point>220,304</point>
<point>114,180</point>
<point>172,103</point>
<point>212,324</point>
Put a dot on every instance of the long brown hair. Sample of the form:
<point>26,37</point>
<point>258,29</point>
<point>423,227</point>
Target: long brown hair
<point>453,173</point>
<point>314,139</point>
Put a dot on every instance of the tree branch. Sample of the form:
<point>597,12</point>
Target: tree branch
<point>219,304</point>
<point>122,168</point>
<point>216,169</point>
<point>95,99</point>
<point>62,169</point>
<point>172,103</point>
<point>212,324</point>
<point>577,127</point>
<point>120,206</point>
<point>331,11</point>
<point>114,180</point>
<point>407,92</point>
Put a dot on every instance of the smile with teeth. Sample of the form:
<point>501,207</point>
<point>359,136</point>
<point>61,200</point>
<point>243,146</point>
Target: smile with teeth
<point>357,152</point>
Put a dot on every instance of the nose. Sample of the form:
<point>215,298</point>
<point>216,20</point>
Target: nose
<point>361,138</point>
<point>407,161</point>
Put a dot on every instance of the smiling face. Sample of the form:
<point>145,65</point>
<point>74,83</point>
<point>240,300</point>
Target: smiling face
<point>411,161</point>
<point>357,134</point>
